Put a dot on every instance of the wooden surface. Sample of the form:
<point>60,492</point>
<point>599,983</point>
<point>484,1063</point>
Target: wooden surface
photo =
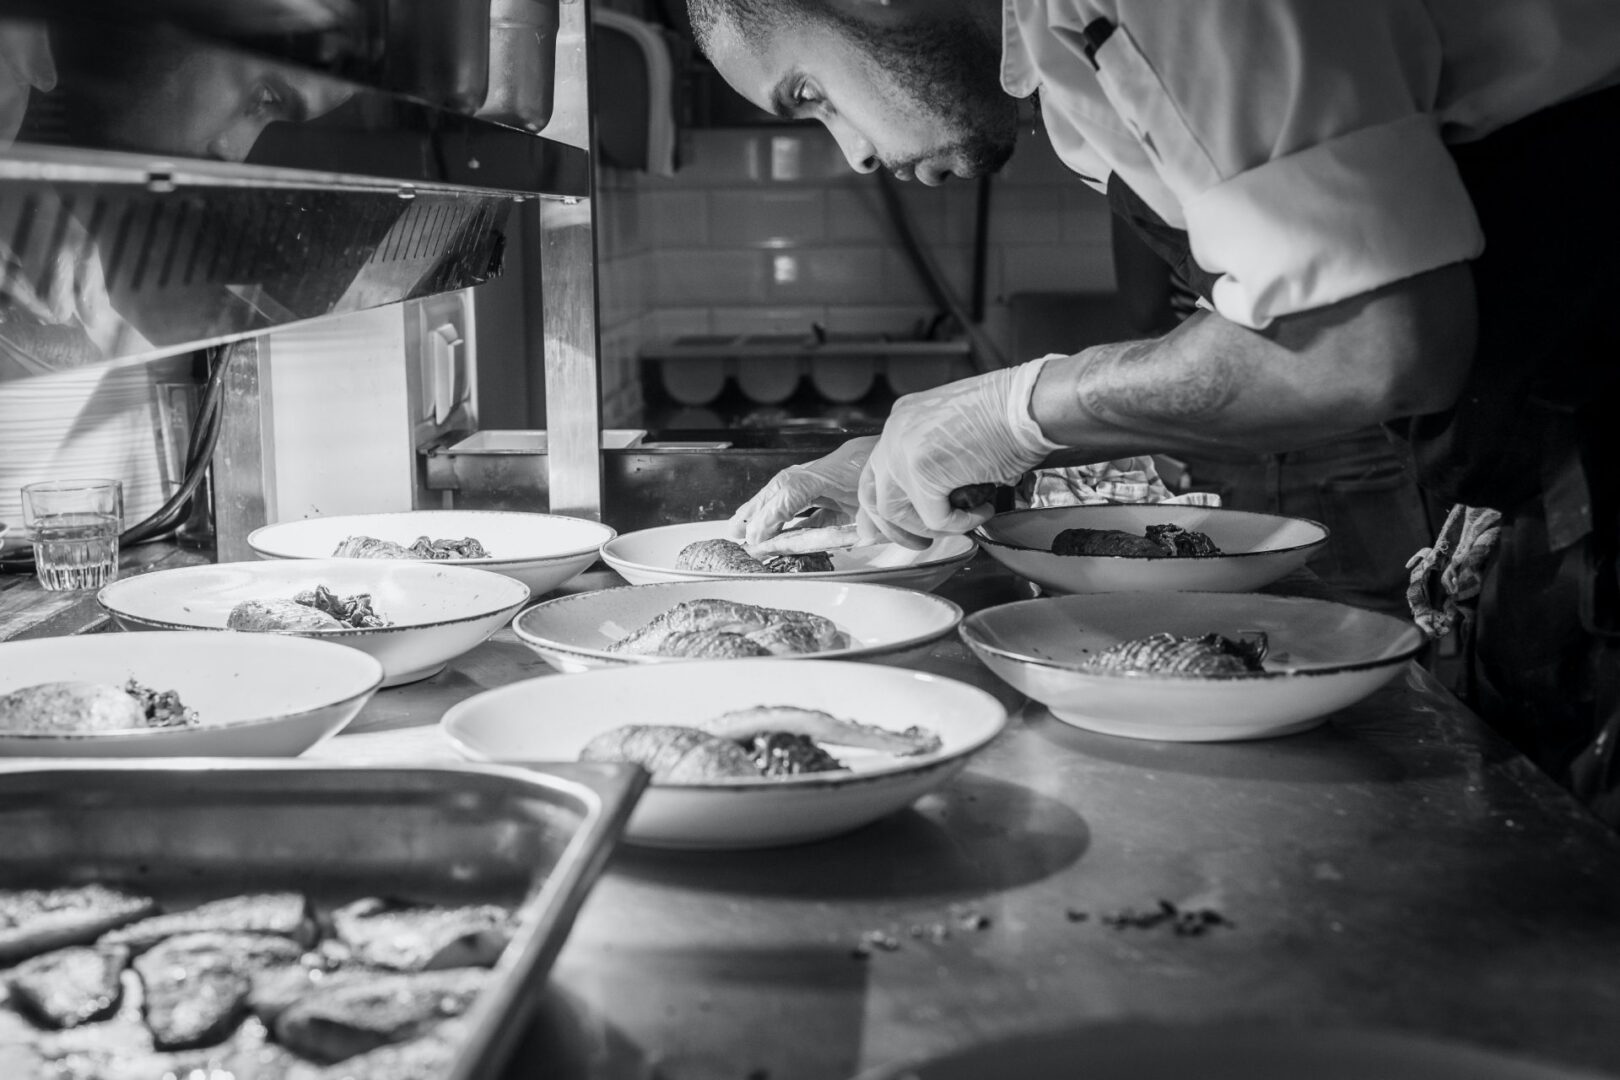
<point>1397,869</point>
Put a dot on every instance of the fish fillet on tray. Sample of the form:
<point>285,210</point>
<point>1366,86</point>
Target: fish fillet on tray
<point>287,922</point>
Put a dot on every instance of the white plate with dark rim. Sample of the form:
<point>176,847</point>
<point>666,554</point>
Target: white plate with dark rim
<point>436,611</point>
<point>648,555</point>
<point>256,695</point>
<point>552,718</point>
<point>544,551</point>
<point>886,624</point>
<point>1257,549</point>
<point>1321,657</point>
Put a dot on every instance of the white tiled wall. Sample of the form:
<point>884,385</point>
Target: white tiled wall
<point>767,230</point>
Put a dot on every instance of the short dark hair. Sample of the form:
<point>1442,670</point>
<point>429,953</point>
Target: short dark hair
<point>752,19</point>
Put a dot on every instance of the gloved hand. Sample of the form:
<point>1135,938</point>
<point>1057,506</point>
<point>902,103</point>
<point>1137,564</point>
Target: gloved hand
<point>973,431</point>
<point>831,482</point>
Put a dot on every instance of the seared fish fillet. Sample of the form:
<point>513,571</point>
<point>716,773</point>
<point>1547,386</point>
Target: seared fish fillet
<point>778,630</point>
<point>1107,542</point>
<point>412,937</point>
<point>1211,655</point>
<point>1160,542</point>
<point>674,755</point>
<point>743,724</point>
<point>287,914</point>
<point>710,645</point>
<point>337,1021</point>
<point>71,986</point>
<point>197,985</point>
<point>279,615</point>
<point>725,556</point>
<point>33,921</point>
<point>70,706</point>
<point>803,562</point>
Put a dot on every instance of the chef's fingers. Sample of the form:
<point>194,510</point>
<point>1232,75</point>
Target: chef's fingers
<point>881,510</point>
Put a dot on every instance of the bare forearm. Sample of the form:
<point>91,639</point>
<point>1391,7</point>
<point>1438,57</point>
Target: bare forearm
<point>1213,384</point>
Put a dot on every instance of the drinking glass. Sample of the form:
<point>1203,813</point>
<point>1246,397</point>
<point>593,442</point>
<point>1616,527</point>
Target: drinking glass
<point>74,526</point>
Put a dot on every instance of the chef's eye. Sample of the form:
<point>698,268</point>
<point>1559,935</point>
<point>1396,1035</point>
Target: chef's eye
<point>266,101</point>
<point>805,96</point>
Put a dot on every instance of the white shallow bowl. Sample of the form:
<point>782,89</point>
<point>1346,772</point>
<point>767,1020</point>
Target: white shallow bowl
<point>552,718</point>
<point>544,551</point>
<point>1322,657</point>
<point>648,555</point>
<point>438,611</point>
<point>1257,548</point>
<point>883,623</point>
<point>256,695</point>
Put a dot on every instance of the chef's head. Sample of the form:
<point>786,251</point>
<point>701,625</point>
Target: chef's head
<point>158,91</point>
<point>908,85</point>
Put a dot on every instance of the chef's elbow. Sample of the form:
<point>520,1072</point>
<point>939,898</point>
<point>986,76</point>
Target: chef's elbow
<point>1432,333</point>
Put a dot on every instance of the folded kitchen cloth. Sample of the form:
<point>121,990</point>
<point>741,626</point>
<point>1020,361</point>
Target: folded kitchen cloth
<point>1444,580</point>
<point>1125,480</point>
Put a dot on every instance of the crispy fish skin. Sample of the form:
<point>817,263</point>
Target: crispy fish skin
<point>801,562</point>
<point>279,615</point>
<point>710,645</point>
<point>743,724</point>
<point>69,987</point>
<point>197,985</point>
<point>333,1023</point>
<point>421,937</point>
<point>1210,656</point>
<point>674,755</point>
<point>284,913</point>
<point>34,921</point>
<point>779,631</point>
<point>725,556</point>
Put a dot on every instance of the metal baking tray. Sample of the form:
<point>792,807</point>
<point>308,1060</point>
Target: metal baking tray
<point>186,830</point>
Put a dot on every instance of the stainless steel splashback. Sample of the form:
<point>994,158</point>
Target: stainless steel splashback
<point>169,184</point>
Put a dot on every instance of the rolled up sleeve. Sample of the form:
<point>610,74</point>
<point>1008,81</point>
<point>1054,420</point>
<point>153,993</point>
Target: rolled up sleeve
<point>1332,221</point>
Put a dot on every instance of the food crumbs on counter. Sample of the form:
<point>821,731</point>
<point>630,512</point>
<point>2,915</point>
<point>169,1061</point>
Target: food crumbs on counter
<point>1076,915</point>
<point>968,918</point>
<point>874,940</point>
<point>1189,922</point>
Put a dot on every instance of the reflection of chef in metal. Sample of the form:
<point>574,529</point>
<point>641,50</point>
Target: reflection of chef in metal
<point>170,94</point>
<point>154,92</point>
<point>25,66</point>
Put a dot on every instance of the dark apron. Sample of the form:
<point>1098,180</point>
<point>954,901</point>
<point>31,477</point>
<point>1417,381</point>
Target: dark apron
<point>1535,433</point>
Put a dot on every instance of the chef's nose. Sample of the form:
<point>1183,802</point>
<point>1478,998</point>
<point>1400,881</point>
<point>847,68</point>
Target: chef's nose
<point>858,150</point>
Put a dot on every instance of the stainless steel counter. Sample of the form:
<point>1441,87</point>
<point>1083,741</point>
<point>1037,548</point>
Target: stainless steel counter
<point>1397,868</point>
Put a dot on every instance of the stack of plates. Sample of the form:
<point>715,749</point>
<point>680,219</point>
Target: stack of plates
<point>97,421</point>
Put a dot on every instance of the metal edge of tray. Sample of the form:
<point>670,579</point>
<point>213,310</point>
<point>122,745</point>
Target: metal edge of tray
<point>607,795</point>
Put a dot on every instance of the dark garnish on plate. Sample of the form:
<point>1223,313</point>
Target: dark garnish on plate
<point>780,753</point>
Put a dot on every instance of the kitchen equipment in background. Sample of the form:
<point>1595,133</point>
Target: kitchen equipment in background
<point>177,414</point>
<point>695,370</point>
<point>635,110</point>
<point>522,63</point>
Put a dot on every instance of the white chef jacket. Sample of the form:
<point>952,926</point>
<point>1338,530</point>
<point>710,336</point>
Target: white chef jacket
<point>1301,143</point>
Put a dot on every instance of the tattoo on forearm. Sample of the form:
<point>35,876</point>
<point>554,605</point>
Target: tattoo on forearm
<point>1133,381</point>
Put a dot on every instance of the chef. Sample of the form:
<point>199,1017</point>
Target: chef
<point>1396,212</point>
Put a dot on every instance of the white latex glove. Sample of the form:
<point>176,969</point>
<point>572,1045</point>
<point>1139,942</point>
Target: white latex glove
<point>831,482</point>
<point>973,431</point>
